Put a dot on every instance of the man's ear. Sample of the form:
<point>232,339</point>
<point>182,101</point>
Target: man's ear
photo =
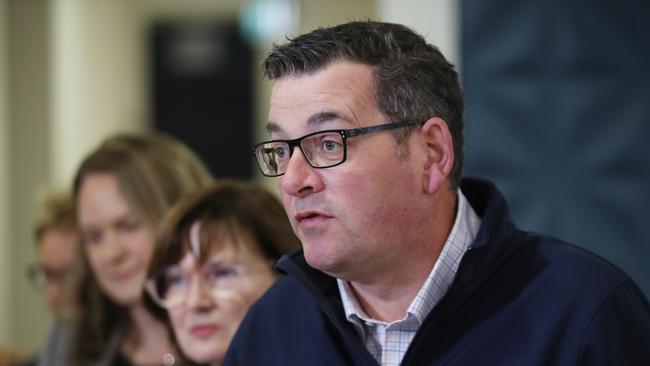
<point>440,153</point>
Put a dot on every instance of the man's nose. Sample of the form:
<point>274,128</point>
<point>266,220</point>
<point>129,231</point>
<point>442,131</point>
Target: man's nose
<point>299,179</point>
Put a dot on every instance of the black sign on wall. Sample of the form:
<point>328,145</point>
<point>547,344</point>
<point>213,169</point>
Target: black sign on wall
<point>201,92</point>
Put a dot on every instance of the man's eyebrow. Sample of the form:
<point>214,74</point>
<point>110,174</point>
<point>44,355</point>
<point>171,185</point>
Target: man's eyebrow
<point>313,120</point>
<point>324,116</point>
<point>272,127</point>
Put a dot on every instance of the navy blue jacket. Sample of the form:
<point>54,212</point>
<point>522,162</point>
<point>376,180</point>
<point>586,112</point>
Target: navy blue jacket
<point>519,298</point>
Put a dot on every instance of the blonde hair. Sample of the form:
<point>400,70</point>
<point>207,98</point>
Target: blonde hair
<point>153,171</point>
<point>57,213</point>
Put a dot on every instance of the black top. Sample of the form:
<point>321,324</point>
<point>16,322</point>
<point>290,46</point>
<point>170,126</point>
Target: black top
<point>121,360</point>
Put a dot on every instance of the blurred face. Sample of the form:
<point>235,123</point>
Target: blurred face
<point>117,242</point>
<point>351,218</point>
<point>56,254</point>
<point>218,295</point>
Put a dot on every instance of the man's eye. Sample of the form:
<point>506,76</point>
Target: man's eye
<point>280,152</point>
<point>330,145</point>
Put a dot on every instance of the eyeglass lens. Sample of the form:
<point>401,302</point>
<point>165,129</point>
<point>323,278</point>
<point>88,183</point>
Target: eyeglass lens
<point>39,277</point>
<point>172,286</point>
<point>321,150</point>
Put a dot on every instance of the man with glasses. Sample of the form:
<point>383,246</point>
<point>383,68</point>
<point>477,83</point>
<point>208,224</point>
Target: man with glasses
<point>404,262</point>
<point>56,239</point>
<point>56,246</point>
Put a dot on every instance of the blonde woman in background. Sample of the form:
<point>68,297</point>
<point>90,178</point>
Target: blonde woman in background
<point>121,192</point>
<point>215,257</point>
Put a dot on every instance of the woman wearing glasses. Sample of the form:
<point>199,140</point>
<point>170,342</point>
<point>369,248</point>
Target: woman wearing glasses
<point>214,259</point>
<point>121,192</point>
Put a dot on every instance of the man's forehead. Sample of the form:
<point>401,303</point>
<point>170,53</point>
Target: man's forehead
<point>314,121</point>
<point>337,96</point>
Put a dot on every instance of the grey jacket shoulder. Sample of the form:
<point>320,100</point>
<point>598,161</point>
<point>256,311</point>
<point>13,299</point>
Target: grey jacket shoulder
<point>56,349</point>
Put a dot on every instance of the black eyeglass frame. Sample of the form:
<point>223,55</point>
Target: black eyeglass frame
<point>345,134</point>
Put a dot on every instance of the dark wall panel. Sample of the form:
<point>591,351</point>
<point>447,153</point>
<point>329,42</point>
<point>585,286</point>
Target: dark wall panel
<point>558,114</point>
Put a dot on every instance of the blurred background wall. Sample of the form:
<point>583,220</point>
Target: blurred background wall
<point>537,75</point>
<point>25,145</point>
<point>558,114</point>
<point>5,273</point>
